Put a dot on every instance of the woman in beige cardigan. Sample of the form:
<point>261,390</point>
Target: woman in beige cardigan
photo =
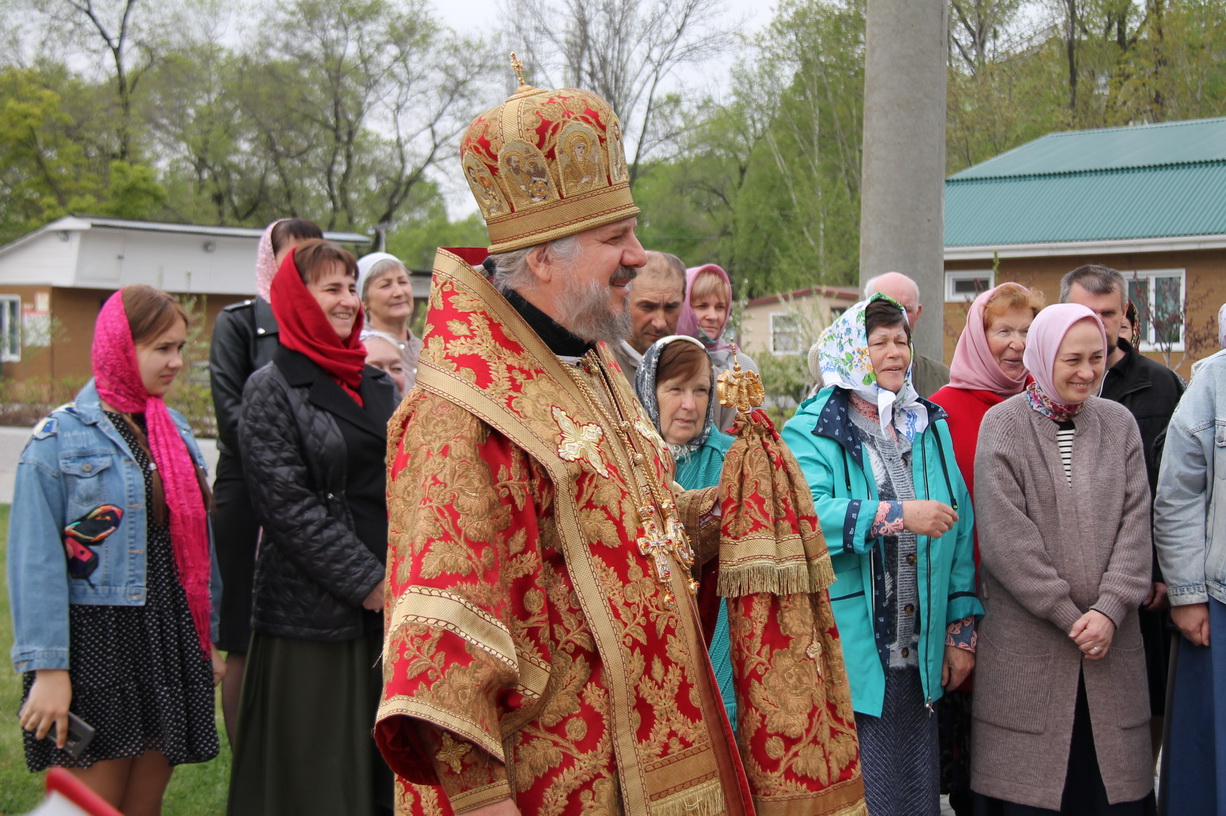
<point>1061,709</point>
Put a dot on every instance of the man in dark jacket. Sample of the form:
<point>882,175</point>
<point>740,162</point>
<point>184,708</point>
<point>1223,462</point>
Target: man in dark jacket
<point>1150,391</point>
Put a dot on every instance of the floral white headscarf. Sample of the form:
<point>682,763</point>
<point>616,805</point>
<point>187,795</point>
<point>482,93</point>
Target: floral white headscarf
<point>845,363</point>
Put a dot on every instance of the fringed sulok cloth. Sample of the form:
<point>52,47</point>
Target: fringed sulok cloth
<point>795,726</point>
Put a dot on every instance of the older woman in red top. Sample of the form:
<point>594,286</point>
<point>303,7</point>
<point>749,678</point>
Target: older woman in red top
<point>987,369</point>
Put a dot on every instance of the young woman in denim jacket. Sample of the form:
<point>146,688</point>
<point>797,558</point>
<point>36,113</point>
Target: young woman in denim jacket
<point>111,568</point>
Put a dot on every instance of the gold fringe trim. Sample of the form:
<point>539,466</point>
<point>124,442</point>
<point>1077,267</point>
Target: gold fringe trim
<point>774,578</point>
<point>844,798</point>
<point>704,799</point>
<point>765,807</point>
<point>858,809</point>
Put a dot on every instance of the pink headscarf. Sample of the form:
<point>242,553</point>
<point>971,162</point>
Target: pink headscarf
<point>687,323</point>
<point>266,263</point>
<point>1043,342</point>
<point>973,366</point>
<point>117,377</point>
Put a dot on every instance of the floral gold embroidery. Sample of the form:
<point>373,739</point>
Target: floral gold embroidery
<point>649,433</point>
<point>580,442</point>
<point>452,753</point>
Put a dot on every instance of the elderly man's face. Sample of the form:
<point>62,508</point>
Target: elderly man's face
<point>655,306</point>
<point>903,291</point>
<point>1108,307</point>
<point>591,291</point>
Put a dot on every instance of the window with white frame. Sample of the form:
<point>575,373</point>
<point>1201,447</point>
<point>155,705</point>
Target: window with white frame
<point>1159,296</point>
<point>10,328</point>
<point>787,333</point>
<point>964,285</point>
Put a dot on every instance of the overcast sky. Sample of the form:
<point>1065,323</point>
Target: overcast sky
<point>468,15</point>
<point>484,17</point>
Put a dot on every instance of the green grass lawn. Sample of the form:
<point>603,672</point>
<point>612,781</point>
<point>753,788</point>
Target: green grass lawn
<point>194,789</point>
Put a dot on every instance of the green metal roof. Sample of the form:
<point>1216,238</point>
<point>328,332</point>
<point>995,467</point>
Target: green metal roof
<point>1145,181</point>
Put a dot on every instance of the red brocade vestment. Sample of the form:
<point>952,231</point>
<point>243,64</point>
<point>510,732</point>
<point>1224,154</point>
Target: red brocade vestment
<point>542,643</point>
<point>541,639</point>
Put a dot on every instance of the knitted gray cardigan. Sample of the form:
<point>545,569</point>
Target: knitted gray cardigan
<point>1050,551</point>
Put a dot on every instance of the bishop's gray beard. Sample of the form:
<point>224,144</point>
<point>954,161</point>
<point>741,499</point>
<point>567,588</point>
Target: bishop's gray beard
<point>585,308</point>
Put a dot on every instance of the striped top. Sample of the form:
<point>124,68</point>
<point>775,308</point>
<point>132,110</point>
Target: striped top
<point>1064,438</point>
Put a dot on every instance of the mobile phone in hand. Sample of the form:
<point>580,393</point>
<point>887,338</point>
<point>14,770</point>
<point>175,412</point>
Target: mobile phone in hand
<point>80,735</point>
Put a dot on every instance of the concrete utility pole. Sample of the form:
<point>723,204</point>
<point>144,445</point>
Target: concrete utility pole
<point>902,219</point>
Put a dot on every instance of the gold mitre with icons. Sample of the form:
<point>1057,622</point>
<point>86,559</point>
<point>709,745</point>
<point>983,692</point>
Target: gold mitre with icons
<point>546,164</point>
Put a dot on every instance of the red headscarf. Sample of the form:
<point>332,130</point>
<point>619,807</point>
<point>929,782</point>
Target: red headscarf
<point>117,376</point>
<point>305,329</point>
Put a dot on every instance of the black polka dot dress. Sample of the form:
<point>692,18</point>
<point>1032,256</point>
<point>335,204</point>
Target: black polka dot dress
<point>139,676</point>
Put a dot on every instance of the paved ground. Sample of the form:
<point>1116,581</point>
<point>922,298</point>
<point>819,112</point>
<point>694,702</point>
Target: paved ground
<point>12,440</point>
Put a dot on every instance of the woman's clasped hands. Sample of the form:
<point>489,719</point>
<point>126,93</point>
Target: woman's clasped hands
<point>1092,633</point>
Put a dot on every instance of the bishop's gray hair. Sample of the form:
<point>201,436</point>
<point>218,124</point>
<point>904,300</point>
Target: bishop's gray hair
<point>511,269</point>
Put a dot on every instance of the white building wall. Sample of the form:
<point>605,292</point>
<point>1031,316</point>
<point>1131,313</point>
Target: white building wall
<point>47,259</point>
<point>78,253</point>
<point>176,263</point>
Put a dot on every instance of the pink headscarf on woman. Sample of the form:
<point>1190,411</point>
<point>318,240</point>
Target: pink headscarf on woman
<point>1043,345</point>
<point>973,367</point>
<point>117,377</point>
<point>266,263</point>
<point>687,323</point>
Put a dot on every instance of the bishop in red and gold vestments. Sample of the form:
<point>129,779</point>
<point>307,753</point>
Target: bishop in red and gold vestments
<point>543,651</point>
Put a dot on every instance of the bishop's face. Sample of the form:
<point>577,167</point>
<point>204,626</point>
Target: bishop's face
<point>592,290</point>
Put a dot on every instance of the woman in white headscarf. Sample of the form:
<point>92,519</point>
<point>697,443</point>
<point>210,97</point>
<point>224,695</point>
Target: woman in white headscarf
<point>880,463</point>
<point>387,298</point>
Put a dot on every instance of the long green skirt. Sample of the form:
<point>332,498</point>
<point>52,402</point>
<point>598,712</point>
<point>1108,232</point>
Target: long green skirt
<point>304,730</point>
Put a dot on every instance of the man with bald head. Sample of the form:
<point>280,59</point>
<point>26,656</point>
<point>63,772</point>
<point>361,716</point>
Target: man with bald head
<point>655,305</point>
<point>928,375</point>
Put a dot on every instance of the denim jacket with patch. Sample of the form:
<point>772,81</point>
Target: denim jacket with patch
<point>76,467</point>
<point>1190,505</point>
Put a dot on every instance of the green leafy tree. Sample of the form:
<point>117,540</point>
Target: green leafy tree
<point>134,192</point>
<point>356,107</point>
<point>216,171</point>
<point>44,173</point>
<point>120,34</point>
<point>767,182</point>
<point>797,215</point>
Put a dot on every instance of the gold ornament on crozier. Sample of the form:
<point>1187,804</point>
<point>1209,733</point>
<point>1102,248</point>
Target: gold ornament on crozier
<point>740,389</point>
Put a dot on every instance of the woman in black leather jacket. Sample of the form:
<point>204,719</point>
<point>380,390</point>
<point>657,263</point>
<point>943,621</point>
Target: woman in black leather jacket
<point>313,436</point>
<point>244,339</point>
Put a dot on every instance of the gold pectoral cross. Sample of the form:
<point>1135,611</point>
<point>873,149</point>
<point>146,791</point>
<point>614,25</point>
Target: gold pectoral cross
<point>665,545</point>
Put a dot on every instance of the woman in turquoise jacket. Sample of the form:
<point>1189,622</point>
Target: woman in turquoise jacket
<point>898,520</point>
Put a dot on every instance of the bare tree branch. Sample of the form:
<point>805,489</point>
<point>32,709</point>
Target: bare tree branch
<point>628,51</point>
